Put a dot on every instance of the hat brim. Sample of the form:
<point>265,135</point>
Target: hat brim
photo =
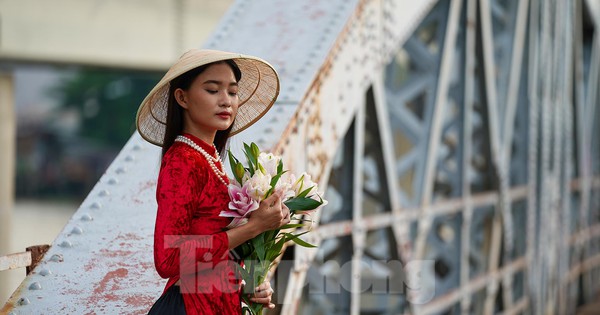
<point>257,89</point>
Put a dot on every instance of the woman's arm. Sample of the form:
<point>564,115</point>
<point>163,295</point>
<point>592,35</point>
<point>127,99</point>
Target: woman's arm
<point>175,251</point>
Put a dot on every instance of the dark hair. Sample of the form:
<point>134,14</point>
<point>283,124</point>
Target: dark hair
<point>174,123</point>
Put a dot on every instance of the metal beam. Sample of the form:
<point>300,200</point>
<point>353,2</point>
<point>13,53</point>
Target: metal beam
<point>7,168</point>
<point>14,261</point>
<point>358,230</point>
<point>434,136</point>
<point>469,87</point>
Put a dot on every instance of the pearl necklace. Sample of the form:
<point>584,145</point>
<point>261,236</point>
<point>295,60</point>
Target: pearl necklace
<point>209,158</point>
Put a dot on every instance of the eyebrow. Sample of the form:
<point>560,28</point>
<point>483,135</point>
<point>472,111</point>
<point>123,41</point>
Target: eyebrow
<point>219,82</point>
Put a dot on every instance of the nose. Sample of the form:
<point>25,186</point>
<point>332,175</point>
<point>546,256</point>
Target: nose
<point>226,100</point>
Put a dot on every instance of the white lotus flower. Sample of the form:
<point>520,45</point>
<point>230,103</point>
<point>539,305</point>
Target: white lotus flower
<point>259,184</point>
<point>269,162</point>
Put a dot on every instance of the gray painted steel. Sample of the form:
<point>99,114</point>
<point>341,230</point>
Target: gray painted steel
<point>457,140</point>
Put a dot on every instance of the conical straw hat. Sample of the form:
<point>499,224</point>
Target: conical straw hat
<point>257,89</point>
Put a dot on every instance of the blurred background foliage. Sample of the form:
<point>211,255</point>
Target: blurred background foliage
<point>106,102</point>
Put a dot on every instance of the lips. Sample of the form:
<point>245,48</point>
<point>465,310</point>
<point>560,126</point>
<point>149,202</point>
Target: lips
<point>224,115</point>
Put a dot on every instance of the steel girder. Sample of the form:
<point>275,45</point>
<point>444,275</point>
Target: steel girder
<point>480,108</point>
<point>457,140</point>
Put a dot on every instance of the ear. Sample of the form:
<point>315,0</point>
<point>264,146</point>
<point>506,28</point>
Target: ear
<point>181,98</point>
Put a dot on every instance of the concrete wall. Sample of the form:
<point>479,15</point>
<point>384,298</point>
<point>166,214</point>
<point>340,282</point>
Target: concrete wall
<point>138,34</point>
<point>122,33</point>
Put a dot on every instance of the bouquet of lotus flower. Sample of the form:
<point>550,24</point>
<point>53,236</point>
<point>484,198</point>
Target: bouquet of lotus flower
<point>262,175</point>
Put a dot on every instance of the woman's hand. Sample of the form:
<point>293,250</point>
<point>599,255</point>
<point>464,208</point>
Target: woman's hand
<point>262,295</point>
<point>271,214</point>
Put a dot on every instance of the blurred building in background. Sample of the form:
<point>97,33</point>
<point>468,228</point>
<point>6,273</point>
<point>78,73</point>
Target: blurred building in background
<point>76,72</point>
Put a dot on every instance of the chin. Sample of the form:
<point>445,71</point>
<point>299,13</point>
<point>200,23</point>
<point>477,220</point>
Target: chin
<point>224,127</point>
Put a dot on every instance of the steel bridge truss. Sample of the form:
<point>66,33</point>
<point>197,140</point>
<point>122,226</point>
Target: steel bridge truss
<point>473,156</point>
<point>457,141</point>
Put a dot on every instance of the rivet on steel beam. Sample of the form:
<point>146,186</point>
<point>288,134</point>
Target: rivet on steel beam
<point>96,205</point>
<point>23,301</point>
<point>86,217</point>
<point>35,286</point>
<point>137,147</point>
<point>268,130</point>
<point>45,272</point>
<point>57,258</point>
<point>66,244</point>
<point>104,193</point>
<point>113,181</point>
<point>129,158</point>
<point>77,231</point>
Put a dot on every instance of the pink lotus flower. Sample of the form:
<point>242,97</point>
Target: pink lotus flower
<point>240,206</point>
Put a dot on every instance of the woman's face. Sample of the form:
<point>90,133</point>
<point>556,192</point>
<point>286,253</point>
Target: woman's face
<point>211,102</point>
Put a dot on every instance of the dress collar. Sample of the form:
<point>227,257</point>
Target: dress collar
<point>210,148</point>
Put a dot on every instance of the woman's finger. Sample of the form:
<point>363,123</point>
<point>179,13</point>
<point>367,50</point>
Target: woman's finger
<point>266,302</point>
<point>264,287</point>
<point>261,300</point>
<point>262,294</point>
<point>274,198</point>
<point>288,212</point>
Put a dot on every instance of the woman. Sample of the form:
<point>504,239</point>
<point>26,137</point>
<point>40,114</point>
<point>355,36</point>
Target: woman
<point>204,98</point>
